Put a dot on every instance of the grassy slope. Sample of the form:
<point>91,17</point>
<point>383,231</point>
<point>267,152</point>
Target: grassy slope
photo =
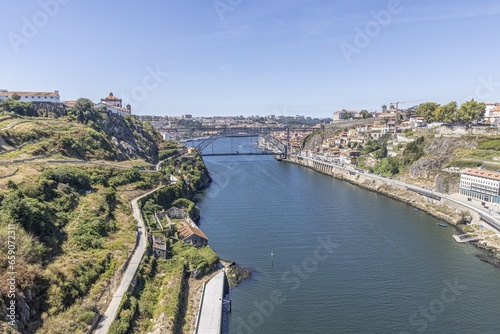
<point>64,281</point>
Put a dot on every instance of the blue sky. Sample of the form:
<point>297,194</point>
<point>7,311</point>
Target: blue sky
<point>242,57</point>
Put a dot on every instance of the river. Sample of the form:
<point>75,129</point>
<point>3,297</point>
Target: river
<point>330,257</point>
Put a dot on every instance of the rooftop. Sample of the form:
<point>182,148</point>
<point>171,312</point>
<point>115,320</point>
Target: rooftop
<point>7,93</point>
<point>487,174</point>
<point>111,97</point>
<point>187,230</point>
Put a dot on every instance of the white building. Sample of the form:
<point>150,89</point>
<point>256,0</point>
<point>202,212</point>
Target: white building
<point>114,105</point>
<point>112,101</point>
<point>342,115</point>
<point>489,108</point>
<point>52,97</point>
<point>481,184</point>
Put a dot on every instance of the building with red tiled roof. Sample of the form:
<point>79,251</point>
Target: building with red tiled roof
<point>114,105</point>
<point>481,184</point>
<point>193,235</point>
<point>159,246</point>
<point>112,100</point>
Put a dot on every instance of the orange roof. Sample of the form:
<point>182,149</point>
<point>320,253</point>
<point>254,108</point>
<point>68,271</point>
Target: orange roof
<point>70,103</point>
<point>487,174</point>
<point>111,97</point>
<point>187,230</point>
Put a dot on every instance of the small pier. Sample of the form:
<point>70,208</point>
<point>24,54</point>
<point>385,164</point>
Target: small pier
<point>211,306</point>
<point>466,238</point>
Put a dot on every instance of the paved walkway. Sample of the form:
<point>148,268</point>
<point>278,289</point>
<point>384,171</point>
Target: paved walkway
<point>210,317</point>
<point>112,310</point>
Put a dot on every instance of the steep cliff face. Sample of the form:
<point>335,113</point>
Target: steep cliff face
<point>52,110</point>
<point>438,152</point>
<point>447,183</point>
<point>101,136</point>
<point>130,138</point>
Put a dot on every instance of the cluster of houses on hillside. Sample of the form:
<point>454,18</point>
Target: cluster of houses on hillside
<point>111,102</point>
<point>189,232</point>
<point>394,115</point>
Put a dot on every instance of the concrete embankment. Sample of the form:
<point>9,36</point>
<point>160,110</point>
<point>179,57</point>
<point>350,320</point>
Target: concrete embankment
<point>211,306</point>
<point>438,205</point>
<point>450,208</point>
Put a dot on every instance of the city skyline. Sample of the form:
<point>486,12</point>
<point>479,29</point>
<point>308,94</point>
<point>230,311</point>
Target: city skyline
<point>253,58</point>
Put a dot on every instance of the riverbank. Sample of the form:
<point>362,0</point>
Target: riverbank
<point>464,218</point>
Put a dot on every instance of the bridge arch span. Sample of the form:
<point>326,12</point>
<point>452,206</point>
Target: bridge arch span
<point>252,132</point>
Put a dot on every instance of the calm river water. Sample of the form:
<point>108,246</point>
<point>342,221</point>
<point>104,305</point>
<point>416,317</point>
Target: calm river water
<point>344,260</point>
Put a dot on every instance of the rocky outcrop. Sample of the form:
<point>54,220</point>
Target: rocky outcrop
<point>51,110</point>
<point>438,153</point>
<point>130,139</point>
<point>424,168</point>
<point>236,274</point>
<point>447,183</point>
<point>314,140</point>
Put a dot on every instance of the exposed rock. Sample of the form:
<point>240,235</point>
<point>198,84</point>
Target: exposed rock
<point>51,110</point>
<point>236,274</point>
<point>130,139</point>
<point>490,258</point>
<point>439,152</point>
<point>447,183</point>
<point>424,168</point>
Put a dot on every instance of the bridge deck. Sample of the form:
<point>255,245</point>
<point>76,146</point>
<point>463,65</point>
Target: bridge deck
<point>226,154</point>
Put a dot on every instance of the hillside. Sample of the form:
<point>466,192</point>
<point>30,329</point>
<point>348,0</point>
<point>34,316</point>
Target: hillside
<point>427,157</point>
<point>81,133</point>
<point>66,182</point>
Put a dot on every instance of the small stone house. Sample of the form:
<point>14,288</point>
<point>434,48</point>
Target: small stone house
<point>159,246</point>
<point>193,235</point>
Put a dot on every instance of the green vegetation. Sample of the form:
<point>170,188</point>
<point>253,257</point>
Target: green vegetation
<point>389,166</point>
<point>68,211</point>
<point>489,143</point>
<point>82,132</point>
<point>189,207</point>
<point>74,227</point>
<point>159,291</point>
<point>168,149</point>
<point>161,283</point>
<point>450,113</point>
<point>191,166</point>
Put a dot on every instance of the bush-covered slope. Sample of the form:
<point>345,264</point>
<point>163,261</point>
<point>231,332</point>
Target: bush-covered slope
<point>82,133</point>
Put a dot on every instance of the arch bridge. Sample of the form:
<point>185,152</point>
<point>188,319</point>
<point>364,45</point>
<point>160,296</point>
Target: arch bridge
<point>264,133</point>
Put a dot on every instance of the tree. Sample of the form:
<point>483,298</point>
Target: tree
<point>447,113</point>
<point>16,97</point>
<point>471,111</point>
<point>366,114</point>
<point>427,110</point>
<point>18,107</point>
<point>84,110</point>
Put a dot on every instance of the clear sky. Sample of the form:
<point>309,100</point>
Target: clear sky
<point>249,57</point>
